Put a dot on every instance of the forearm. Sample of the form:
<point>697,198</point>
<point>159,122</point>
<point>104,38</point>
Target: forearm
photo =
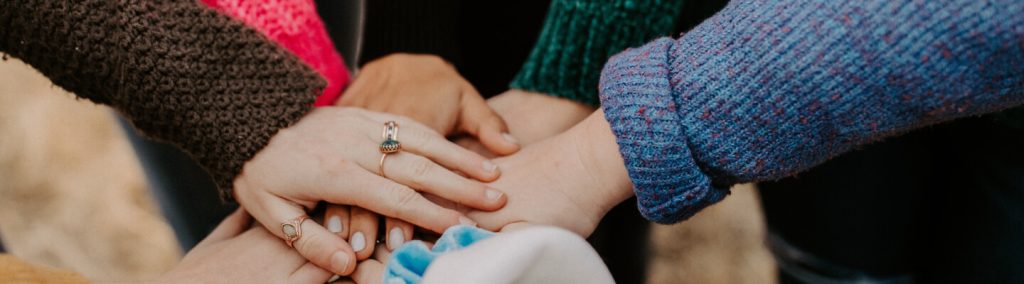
<point>579,35</point>
<point>764,90</point>
<point>179,72</point>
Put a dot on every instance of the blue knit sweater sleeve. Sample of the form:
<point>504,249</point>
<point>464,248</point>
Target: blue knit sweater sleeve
<point>766,89</point>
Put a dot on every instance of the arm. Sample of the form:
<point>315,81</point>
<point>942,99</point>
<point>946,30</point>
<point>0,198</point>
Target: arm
<point>579,35</point>
<point>560,76</point>
<point>764,90</point>
<point>179,72</point>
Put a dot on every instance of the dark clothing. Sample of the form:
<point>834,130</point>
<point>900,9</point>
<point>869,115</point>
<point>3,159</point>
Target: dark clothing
<point>944,204</point>
<point>178,71</point>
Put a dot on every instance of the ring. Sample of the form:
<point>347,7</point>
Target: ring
<point>292,230</point>
<point>390,144</point>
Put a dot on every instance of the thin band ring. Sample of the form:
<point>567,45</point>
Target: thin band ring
<point>390,144</point>
<point>292,230</point>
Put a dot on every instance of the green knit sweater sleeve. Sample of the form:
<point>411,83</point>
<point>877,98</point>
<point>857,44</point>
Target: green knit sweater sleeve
<point>580,35</point>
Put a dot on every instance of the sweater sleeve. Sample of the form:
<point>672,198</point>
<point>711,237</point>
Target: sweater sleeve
<point>579,36</point>
<point>410,26</point>
<point>766,89</point>
<point>178,71</point>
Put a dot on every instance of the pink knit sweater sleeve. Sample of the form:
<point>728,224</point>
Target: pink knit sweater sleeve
<point>296,26</point>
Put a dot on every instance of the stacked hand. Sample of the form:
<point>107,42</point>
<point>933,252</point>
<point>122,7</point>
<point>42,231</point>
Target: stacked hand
<point>332,156</point>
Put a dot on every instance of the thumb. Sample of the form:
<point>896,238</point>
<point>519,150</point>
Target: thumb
<point>476,118</point>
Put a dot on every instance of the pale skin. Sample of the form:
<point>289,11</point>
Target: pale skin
<point>343,169</point>
<point>236,252</point>
<point>309,162</point>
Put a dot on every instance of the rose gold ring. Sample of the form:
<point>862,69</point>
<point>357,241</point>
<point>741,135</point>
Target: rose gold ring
<point>292,230</point>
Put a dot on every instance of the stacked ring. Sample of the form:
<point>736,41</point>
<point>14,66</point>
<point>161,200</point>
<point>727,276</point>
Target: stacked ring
<point>390,144</point>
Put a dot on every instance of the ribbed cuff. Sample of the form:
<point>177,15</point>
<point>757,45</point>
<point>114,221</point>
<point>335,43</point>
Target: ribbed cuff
<point>410,26</point>
<point>579,35</point>
<point>637,102</point>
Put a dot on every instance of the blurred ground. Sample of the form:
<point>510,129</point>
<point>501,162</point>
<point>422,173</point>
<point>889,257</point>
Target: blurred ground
<point>73,196</point>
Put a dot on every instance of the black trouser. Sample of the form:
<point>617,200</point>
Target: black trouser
<point>945,204</point>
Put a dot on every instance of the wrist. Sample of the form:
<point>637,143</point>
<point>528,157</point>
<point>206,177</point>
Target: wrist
<point>596,147</point>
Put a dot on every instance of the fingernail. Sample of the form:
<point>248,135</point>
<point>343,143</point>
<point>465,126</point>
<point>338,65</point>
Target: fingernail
<point>492,194</point>
<point>358,241</point>
<point>509,138</point>
<point>466,221</point>
<point>339,262</point>
<point>490,167</point>
<point>395,238</point>
<point>334,224</point>
<point>334,278</point>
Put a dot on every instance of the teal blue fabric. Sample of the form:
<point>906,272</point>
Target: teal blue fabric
<point>410,261</point>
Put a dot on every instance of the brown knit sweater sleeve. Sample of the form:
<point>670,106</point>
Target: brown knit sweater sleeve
<point>178,71</point>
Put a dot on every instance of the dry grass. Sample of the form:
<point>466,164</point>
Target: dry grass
<point>73,196</point>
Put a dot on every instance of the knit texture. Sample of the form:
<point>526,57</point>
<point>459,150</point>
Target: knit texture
<point>178,71</point>
<point>766,89</point>
<point>295,25</point>
<point>580,35</point>
<point>410,26</point>
<point>14,270</point>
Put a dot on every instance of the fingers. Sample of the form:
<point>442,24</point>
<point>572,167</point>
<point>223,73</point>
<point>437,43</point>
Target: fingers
<point>315,243</point>
<point>370,271</point>
<point>422,141</point>
<point>398,232</point>
<point>390,199</point>
<point>336,220</point>
<point>234,224</point>
<point>310,273</point>
<point>423,174</point>
<point>363,232</point>
<point>478,119</point>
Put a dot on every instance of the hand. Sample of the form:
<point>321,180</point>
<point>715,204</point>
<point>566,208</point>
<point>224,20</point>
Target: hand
<point>237,253</point>
<point>570,180</point>
<point>431,91</point>
<point>332,155</point>
<point>531,117</point>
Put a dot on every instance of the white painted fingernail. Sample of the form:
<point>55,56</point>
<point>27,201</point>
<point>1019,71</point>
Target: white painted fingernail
<point>396,238</point>
<point>334,278</point>
<point>334,224</point>
<point>358,241</point>
<point>509,138</point>
<point>490,167</point>
<point>492,194</point>
<point>466,221</point>
<point>396,280</point>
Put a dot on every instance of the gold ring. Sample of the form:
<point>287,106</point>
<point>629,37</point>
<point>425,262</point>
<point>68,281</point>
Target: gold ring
<point>390,144</point>
<point>292,230</point>
<point>380,169</point>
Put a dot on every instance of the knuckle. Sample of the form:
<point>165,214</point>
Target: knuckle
<point>420,171</point>
<point>315,247</point>
<point>404,200</point>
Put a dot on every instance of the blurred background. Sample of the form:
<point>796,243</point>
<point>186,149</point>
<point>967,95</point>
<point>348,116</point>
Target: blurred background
<point>73,195</point>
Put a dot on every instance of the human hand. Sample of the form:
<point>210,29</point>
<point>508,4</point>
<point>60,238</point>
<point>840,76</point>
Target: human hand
<point>429,90</point>
<point>235,252</point>
<point>531,117</point>
<point>332,155</point>
<point>570,180</point>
